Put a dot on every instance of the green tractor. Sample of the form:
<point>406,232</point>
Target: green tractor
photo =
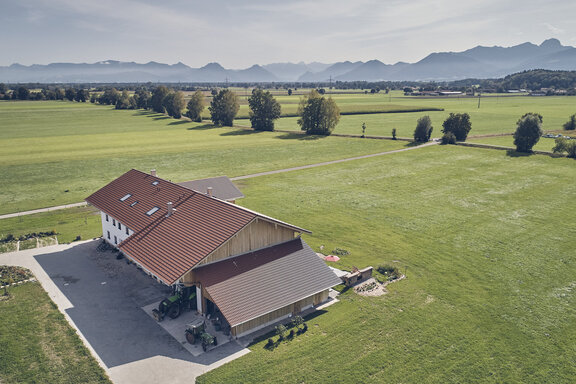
<point>196,331</point>
<point>182,298</point>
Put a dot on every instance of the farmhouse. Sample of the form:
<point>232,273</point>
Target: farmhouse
<point>248,268</point>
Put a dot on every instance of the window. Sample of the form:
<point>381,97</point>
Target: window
<point>134,203</point>
<point>155,182</point>
<point>114,222</point>
<point>107,217</point>
<point>126,196</point>
<point>126,229</point>
<point>108,235</point>
<point>115,240</point>
<point>119,225</point>
<point>152,211</point>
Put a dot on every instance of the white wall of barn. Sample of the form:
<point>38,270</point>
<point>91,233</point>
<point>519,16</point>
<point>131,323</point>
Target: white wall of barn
<point>114,231</point>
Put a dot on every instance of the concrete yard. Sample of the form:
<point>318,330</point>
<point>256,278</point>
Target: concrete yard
<point>109,303</point>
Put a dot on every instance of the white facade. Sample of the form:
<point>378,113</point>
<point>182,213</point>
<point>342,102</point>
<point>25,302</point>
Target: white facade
<point>113,231</point>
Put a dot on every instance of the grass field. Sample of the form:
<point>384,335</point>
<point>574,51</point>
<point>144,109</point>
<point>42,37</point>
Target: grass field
<point>487,238</point>
<point>38,346</point>
<point>496,114</point>
<point>488,241</point>
<point>54,153</point>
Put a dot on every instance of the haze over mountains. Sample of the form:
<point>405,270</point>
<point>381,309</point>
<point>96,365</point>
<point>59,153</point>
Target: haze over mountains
<point>479,62</point>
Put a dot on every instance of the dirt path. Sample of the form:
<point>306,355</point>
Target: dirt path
<point>16,214</point>
<point>330,162</point>
<point>24,213</point>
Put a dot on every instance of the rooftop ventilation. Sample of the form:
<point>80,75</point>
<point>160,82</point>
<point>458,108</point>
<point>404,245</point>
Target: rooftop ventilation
<point>134,203</point>
<point>152,211</point>
<point>125,197</point>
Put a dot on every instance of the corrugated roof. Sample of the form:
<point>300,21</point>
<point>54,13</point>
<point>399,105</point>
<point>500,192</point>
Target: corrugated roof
<point>257,283</point>
<point>222,187</point>
<point>170,246</point>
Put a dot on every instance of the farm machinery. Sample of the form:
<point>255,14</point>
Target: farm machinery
<point>196,331</point>
<point>182,298</point>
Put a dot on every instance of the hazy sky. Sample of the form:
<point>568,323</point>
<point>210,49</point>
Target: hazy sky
<point>239,33</point>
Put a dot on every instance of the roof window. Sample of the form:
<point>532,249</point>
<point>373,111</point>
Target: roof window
<point>134,203</point>
<point>155,182</point>
<point>125,197</point>
<point>152,211</point>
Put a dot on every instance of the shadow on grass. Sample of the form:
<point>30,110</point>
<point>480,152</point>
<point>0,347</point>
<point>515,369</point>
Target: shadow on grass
<point>515,153</point>
<point>411,144</point>
<point>201,127</point>
<point>298,136</point>
<point>179,122</point>
<point>240,132</point>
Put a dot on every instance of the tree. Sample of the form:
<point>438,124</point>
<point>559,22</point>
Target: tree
<point>196,106</point>
<point>70,94</point>
<point>458,124</point>
<point>82,95</point>
<point>157,99</point>
<point>318,115</point>
<point>22,93</point>
<point>123,101</point>
<point>565,145</point>
<point>224,107</point>
<point>142,98</point>
<point>528,132</point>
<point>109,97</point>
<point>264,109</point>
<point>3,88</point>
<point>423,129</point>
<point>289,92</point>
<point>174,104</point>
<point>570,125</point>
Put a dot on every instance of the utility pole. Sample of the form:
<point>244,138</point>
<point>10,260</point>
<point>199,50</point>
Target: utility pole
<point>479,96</point>
<point>330,84</point>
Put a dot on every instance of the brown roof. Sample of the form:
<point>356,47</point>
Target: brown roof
<point>222,187</point>
<point>259,282</point>
<point>170,246</point>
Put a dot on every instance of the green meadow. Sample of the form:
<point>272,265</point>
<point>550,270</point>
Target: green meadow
<point>487,241</point>
<point>54,153</point>
<point>486,237</point>
<point>37,345</point>
<point>496,115</point>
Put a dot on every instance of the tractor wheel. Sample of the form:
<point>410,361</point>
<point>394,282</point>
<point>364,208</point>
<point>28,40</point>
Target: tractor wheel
<point>215,341</point>
<point>174,311</point>
<point>190,338</point>
<point>157,315</point>
<point>204,348</point>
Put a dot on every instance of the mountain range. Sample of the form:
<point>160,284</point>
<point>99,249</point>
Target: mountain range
<point>479,62</point>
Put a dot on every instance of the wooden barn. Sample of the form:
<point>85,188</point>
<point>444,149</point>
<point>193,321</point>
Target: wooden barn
<point>248,268</point>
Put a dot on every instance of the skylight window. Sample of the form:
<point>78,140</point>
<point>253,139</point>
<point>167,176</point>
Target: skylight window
<point>125,197</point>
<point>152,211</point>
<point>134,203</point>
<point>155,182</point>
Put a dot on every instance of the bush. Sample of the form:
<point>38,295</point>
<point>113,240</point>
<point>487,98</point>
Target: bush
<point>565,145</point>
<point>459,124</point>
<point>391,272</point>
<point>528,132</point>
<point>448,138</point>
<point>423,130</point>
<point>340,252</point>
<point>570,125</point>
<point>280,331</point>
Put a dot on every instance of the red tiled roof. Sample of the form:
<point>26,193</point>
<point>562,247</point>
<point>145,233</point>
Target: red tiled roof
<point>257,283</point>
<point>170,246</point>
